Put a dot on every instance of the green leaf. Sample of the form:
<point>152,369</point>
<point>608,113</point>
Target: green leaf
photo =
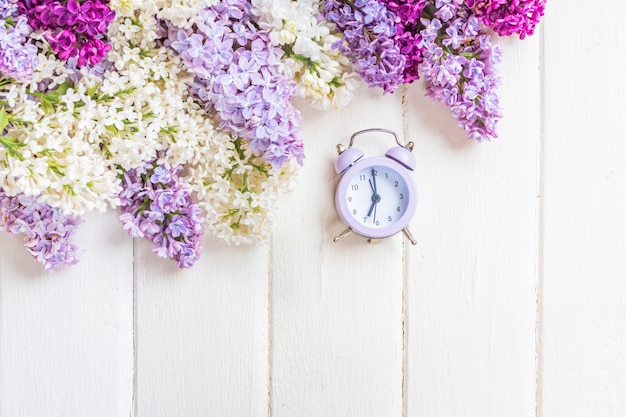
<point>46,105</point>
<point>4,119</point>
<point>92,91</point>
<point>12,145</point>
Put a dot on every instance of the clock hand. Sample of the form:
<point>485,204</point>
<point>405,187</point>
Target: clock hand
<point>375,207</point>
<point>375,200</point>
<point>369,213</point>
<point>374,179</point>
<point>375,196</point>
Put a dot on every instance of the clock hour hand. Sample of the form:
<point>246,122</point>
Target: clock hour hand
<point>369,213</point>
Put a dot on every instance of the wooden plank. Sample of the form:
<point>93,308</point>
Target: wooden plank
<point>202,340</point>
<point>66,338</point>
<point>470,292</point>
<point>584,265</point>
<point>337,307</point>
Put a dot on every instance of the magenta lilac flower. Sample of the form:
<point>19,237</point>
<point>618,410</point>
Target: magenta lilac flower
<point>18,56</point>
<point>73,28</point>
<point>46,230</point>
<point>237,77</point>
<point>369,30</point>
<point>407,35</point>
<point>507,17</point>
<point>459,68</point>
<point>156,204</point>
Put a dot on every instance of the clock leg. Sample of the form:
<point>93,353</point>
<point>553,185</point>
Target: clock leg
<point>342,235</point>
<point>409,236</point>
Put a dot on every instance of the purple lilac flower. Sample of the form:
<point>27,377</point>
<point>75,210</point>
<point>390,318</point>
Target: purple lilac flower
<point>237,78</point>
<point>407,36</point>
<point>156,204</point>
<point>73,28</point>
<point>369,30</point>
<point>18,56</point>
<point>507,17</point>
<point>459,68</point>
<point>8,8</point>
<point>47,231</point>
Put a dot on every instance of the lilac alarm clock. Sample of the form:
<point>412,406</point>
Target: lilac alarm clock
<point>376,197</point>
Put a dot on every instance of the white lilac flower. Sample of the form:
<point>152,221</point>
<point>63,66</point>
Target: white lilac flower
<point>325,77</point>
<point>237,190</point>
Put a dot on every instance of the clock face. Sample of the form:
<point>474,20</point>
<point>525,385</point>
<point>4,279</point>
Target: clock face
<point>376,197</point>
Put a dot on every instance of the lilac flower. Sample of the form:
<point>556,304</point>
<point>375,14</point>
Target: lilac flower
<point>369,29</point>
<point>18,56</point>
<point>157,205</point>
<point>47,231</point>
<point>73,29</point>
<point>459,68</point>
<point>407,35</point>
<point>506,17</point>
<point>236,68</point>
<point>8,8</point>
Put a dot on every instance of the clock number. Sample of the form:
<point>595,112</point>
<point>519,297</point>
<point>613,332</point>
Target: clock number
<point>364,219</point>
<point>395,183</point>
<point>354,212</point>
<point>398,209</point>
<point>374,172</point>
<point>387,175</point>
<point>349,198</point>
<point>401,196</point>
<point>354,187</point>
<point>377,222</point>
<point>362,177</point>
<point>389,218</point>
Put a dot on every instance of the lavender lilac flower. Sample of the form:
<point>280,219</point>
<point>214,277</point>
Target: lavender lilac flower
<point>47,231</point>
<point>18,56</point>
<point>157,205</point>
<point>236,72</point>
<point>507,17</point>
<point>73,28</point>
<point>369,30</point>
<point>459,68</point>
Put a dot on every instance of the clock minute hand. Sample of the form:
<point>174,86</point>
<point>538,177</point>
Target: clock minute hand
<point>374,179</point>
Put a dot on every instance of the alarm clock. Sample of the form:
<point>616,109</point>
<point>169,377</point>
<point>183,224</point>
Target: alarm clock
<point>376,196</point>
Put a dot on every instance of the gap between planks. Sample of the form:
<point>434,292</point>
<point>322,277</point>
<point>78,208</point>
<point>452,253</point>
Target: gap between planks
<point>540,228</point>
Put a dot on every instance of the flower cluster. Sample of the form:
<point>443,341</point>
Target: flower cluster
<point>180,115</point>
<point>73,28</point>
<point>324,76</point>
<point>458,66</point>
<point>47,231</point>
<point>236,76</point>
<point>369,31</point>
<point>157,205</point>
<point>407,36</point>
<point>507,17</point>
<point>18,56</point>
<point>237,190</point>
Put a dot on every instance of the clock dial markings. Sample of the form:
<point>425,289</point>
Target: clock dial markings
<point>370,201</point>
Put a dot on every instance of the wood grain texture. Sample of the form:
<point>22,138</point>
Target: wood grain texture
<point>201,335</point>
<point>522,232</point>
<point>66,337</point>
<point>337,315</point>
<point>584,263</point>
<point>471,299</point>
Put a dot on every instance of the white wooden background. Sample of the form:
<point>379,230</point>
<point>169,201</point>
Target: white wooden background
<point>513,303</point>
